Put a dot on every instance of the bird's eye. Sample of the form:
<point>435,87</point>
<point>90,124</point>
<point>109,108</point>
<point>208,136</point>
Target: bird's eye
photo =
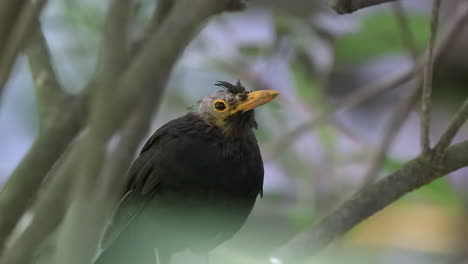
<point>220,105</point>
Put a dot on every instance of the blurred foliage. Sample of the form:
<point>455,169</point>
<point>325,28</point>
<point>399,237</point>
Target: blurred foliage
<point>379,35</point>
<point>308,88</point>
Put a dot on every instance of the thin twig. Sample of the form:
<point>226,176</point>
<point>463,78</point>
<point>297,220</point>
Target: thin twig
<point>369,201</point>
<point>382,86</point>
<point>397,119</point>
<point>405,30</point>
<point>349,6</point>
<point>457,122</point>
<point>18,38</point>
<point>402,109</point>
<point>427,83</point>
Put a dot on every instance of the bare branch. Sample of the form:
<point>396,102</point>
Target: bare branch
<point>65,117</point>
<point>455,125</point>
<point>146,77</point>
<point>114,49</point>
<point>32,169</point>
<point>159,15</point>
<point>39,59</point>
<point>398,116</point>
<point>77,244</point>
<point>427,84</point>
<point>9,11</point>
<point>382,86</point>
<point>403,108</point>
<point>349,6</point>
<point>48,212</point>
<point>17,39</point>
<point>48,89</point>
<point>370,200</point>
<point>405,30</point>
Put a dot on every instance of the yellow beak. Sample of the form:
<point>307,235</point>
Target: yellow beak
<point>256,99</point>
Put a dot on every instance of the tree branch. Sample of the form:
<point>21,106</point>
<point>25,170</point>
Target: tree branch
<point>49,91</point>
<point>58,128</point>
<point>17,38</point>
<point>146,77</point>
<point>370,200</point>
<point>398,116</point>
<point>77,245</point>
<point>349,6</point>
<point>48,212</point>
<point>44,222</point>
<point>26,178</point>
<point>381,86</point>
<point>427,84</point>
<point>405,30</point>
<point>403,108</point>
<point>9,11</point>
<point>163,8</point>
<point>457,122</point>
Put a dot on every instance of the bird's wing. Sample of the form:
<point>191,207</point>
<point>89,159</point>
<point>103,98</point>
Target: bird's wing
<point>126,210</point>
<point>144,181</point>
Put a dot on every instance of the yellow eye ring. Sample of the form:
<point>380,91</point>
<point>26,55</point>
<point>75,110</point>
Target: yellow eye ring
<point>220,106</point>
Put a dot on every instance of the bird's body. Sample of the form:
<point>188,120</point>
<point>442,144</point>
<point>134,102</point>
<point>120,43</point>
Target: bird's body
<point>192,187</point>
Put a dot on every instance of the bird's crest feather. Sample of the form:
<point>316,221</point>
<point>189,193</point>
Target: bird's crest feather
<point>232,88</point>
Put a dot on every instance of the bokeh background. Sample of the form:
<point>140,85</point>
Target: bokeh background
<point>314,58</point>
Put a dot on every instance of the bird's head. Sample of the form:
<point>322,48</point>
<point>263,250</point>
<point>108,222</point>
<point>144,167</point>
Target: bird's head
<point>231,109</point>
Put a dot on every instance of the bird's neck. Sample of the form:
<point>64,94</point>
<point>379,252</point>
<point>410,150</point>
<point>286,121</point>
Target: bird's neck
<point>239,126</point>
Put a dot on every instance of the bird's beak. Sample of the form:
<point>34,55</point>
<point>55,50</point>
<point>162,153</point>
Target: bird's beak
<point>256,99</point>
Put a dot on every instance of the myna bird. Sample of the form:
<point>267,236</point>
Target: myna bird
<point>194,183</point>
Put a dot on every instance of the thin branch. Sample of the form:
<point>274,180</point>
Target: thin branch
<point>27,177</point>
<point>397,119</point>
<point>403,108</point>
<point>457,122</point>
<point>427,83</point>
<point>114,49</point>
<point>49,91</point>
<point>349,6</point>
<point>163,8</point>
<point>50,208</point>
<point>9,11</point>
<point>58,128</point>
<point>382,86</point>
<point>48,212</point>
<point>146,77</point>
<point>405,30</point>
<point>369,201</point>
<point>77,245</point>
<point>18,38</point>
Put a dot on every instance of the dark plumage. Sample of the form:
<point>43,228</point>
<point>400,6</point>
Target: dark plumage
<point>194,183</point>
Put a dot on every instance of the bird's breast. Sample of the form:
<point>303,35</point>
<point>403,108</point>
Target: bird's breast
<point>215,167</point>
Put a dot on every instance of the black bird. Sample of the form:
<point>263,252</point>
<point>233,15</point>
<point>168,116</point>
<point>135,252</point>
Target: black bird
<point>194,183</point>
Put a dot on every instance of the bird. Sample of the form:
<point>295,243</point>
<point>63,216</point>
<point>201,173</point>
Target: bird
<point>194,183</point>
